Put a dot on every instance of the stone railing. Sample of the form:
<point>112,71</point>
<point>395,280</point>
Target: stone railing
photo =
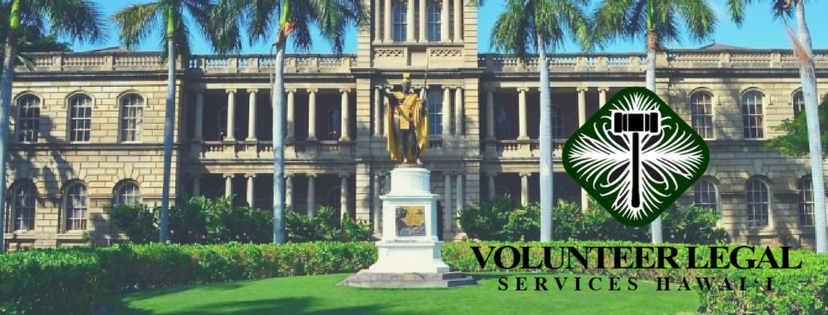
<point>144,61</point>
<point>637,62</point>
<point>526,148</point>
<point>326,149</point>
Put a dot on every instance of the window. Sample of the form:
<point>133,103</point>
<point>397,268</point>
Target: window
<point>758,204</point>
<point>80,115</point>
<point>128,193</point>
<point>701,108</point>
<point>502,124</point>
<point>434,20</point>
<point>334,124</point>
<point>752,115</point>
<point>435,113</point>
<point>798,103</point>
<point>23,207</point>
<point>806,202</point>
<point>400,23</point>
<point>557,123</point>
<point>132,113</point>
<point>76,205</point>
<point>705,195</point>
<point>28,118</point>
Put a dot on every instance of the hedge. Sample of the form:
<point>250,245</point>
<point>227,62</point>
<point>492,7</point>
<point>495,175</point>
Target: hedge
<point>73,280</point>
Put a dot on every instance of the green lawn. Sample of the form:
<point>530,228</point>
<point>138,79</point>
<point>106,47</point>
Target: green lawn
<point>318,295</point>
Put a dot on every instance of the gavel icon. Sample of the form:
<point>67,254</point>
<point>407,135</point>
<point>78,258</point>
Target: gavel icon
<point>635,123</point>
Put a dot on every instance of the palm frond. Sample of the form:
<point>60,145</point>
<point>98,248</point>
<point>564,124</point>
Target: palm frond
<point>80,20</point>
<point>514,31</point>
<point>138,21</point>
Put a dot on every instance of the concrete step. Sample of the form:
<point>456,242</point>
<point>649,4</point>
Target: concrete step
<point>408,280</point>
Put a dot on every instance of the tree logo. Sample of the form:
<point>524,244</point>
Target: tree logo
<point>635,156</point>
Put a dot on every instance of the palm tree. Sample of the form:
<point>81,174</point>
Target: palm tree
<point>807,73</point>
<point>541,26</point>
<point>657,22</point>
<point>136,23</point>
<point>294,19</point>
<point>80,20</point>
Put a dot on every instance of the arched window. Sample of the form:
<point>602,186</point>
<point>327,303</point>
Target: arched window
<point>23,207</point>
<point>334,124</point>
<point>434,20</point>
<point>80,115</point>
<point>806,202</point>
<point>400,23</point>
<point>758,204</point>
<point>798,103</point>
<point>557,123</point>
<point>76,204</point>
<point>701,108</point>
<point>28,118</point>
<point>132,115</point>
<point>128,193</point>
<point>435,113</point>
<point>752,115</point>
<point>705,196</point>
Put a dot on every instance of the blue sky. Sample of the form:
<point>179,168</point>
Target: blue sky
<point>758,31</point>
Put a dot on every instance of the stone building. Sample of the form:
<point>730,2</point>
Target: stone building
<point>87,128</point>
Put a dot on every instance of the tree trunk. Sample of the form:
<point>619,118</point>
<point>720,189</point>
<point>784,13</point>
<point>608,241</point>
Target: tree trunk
<point>169,121</point>
<point>807,72</point>
<point>5,112</point>
<point>546,145</point>
<point>652,43</point>
<point>278,96</point>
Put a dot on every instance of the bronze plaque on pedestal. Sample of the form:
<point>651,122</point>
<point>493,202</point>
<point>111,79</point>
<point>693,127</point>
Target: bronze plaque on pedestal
<point>411,221</point>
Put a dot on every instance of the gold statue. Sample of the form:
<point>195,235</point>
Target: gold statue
<point>407,123</point>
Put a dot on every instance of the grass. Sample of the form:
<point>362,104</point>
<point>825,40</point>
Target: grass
<point>318,295</point>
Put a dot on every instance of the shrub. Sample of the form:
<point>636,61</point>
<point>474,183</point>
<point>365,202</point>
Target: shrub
<point>137,221</point>
<point>322,226</point>
<point>498,221</point>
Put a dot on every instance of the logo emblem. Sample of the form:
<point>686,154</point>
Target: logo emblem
<point>635,156</point>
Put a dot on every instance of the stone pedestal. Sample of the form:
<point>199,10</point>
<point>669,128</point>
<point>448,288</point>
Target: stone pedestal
<point>409,251</point>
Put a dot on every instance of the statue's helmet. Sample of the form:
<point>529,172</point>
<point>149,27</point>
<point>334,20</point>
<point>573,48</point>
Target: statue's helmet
<point>406,82</point>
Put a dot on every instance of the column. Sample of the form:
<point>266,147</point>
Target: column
<point>409,23</point>
<point>251,115</point>
<point>196,185</point>
<point>446,111</point>
<point>459,204</point>
<point>523,135</point>
<point>378,117</point>
<point>423,22</point>
<point>231,115</point>
<point>343,196</point>
<point>492,191</point>
<point>311,195</point>
<point>444,22</point>
<point>377,21</point>
<point>199,118</point>
<point>581,121</point>
<point>524,188</point>
<point>291,106</point>
<point>448,209</point>
<point>602,97</point>
<point>228,184</point>
<point>312,114</point>
<point>490,125</point>
<point>387,22</point>
<point>458,112</point>
<point>288,191</point>
<point>345,132</point>
<point>458,21</point>
<point>377,215</point>
<point>250,188</point>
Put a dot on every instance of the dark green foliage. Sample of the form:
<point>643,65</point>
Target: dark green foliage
<point>137,221</point>
<point>323,227</point>
<point>498,221</point>
<point>795,141</point>
<point>74,280</point>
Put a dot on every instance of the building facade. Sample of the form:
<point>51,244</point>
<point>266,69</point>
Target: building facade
<point>87,128</point>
